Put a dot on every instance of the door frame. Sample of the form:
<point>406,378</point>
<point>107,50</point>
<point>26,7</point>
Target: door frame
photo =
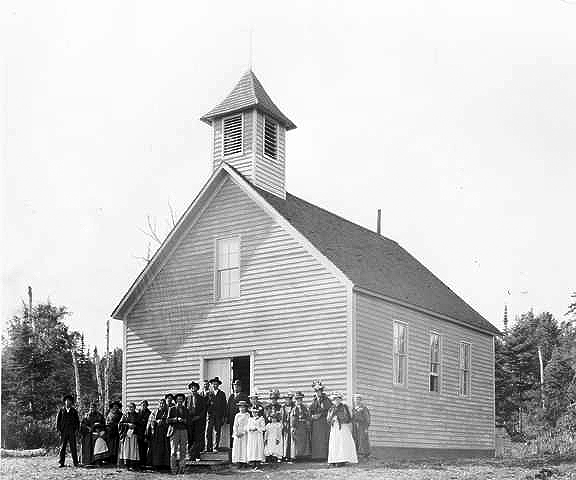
<point>229,356</point>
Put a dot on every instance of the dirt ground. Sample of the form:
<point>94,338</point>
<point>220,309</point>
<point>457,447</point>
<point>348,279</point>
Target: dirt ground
<point>46,468</point>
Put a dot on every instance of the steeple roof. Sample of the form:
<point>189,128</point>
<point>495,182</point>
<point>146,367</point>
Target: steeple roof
<point>247,93</point>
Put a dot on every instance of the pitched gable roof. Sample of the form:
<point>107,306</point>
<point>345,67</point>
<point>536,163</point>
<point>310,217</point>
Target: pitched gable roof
<point>247,93</point>
<point>374,262</point>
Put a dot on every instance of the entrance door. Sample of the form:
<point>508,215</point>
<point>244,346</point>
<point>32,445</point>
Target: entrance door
<point>220,367</point>
<point>241,371</point>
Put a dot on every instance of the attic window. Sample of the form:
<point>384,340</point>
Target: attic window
<point>232,135</point>
<point>270,138</point>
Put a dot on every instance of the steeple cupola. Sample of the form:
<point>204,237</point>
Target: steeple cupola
<point>249,133</point>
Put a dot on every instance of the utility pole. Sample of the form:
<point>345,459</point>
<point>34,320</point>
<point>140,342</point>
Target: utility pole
<point>107,367</point>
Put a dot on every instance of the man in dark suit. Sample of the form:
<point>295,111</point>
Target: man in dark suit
<point>236,396</point>
<point>216,414</point>
<point>197,421</point>
<point>68,424</point>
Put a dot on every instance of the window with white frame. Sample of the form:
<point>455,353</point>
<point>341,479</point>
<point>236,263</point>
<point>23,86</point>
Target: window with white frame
<point>228,268</point>
<point>464,361</point>
<point>434,382</point>
<point>270,138</point>
<point>232,133</point>
<point>400,353</point>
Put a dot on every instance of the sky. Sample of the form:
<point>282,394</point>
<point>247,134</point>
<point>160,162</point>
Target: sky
<point>457,119</point>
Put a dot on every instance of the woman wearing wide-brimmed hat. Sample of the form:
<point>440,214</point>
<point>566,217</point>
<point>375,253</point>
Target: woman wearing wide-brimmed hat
<point>300,427</point>
<point>341,447</point>
<point>320,428</point>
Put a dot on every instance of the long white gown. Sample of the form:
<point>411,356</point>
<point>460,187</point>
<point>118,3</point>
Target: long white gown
<point>240,431</point>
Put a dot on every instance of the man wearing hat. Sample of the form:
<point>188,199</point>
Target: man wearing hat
<point>216,410</point>
<point>178,432</point>
<point>236,396</point>
<point>67,425</point>
<point>197,422</point>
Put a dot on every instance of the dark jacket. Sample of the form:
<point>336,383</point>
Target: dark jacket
<point>68,422</point>
<point>174,413</point>
<point>217,404</point>
<point>197,413</point>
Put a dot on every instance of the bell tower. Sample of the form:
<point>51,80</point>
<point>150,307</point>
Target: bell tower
<point>249,133</point>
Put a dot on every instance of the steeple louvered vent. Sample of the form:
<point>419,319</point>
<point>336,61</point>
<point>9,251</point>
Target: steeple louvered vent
<point>270,138</point>
<point>232,135</point>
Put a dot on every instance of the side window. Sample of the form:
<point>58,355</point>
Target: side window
<point>227,268</point>
<point>464,361</point>
<point>434,375</point>
<point>400,353</point>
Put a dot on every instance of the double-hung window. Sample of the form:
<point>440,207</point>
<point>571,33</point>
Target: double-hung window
<point>434,376</point>
<point>228,268</point>
<point>400,353</point>
<point>464,361</point>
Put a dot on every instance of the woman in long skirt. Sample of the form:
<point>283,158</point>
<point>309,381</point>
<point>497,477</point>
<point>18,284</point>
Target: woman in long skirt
<point>287,438</point>
<point>273,447</point>
<point>128,455</point>
<point>360,424</point>
<point>256,429</point>
<point>92,418</point>
<point>159,443</point>
<point>341,447</point>
<point>320,428</point>
<point>112,419</point>
<point>240,431</point>
<point>300,427</point>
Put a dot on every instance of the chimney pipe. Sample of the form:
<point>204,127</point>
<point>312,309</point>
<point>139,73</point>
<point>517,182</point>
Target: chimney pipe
<point>378,222</point>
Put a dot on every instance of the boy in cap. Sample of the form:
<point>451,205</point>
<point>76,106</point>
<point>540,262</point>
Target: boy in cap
<point>178,432</point>
<point>67,425</point>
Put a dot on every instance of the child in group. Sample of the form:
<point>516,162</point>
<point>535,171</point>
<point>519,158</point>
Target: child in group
<point>101,451</point>
<point>273,446</point>
<point>360,424</point>
<point>240,432</point>
<point>256,429</point>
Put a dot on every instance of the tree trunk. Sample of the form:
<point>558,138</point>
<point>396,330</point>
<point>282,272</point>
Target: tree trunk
<point>77,379</point>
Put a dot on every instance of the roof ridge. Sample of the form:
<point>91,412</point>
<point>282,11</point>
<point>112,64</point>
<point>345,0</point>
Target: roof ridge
<point>372,232</point>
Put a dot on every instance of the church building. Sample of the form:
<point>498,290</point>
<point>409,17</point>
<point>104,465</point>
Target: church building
<point>256,284</point>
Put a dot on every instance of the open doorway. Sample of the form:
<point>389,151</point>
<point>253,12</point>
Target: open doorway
<point>241,371</point>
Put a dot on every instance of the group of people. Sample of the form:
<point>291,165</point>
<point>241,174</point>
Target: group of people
<point>185,425</point>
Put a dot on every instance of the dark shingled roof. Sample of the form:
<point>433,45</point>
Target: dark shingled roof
<point>247,93</point>
<point>374,262</point>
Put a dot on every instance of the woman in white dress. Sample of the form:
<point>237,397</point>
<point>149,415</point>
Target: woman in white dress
<point>256,429</point>
<point>273,444</point>
<point>341,447</point>
<point>240,432</point>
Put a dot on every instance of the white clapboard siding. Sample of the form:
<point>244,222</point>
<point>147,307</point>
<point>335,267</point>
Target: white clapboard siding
<point>412,416</point>
<point>291,312</point>
<point>270,174</point>
<point>242,162</point>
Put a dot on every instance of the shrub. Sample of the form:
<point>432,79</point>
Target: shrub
<point>26,433</point>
